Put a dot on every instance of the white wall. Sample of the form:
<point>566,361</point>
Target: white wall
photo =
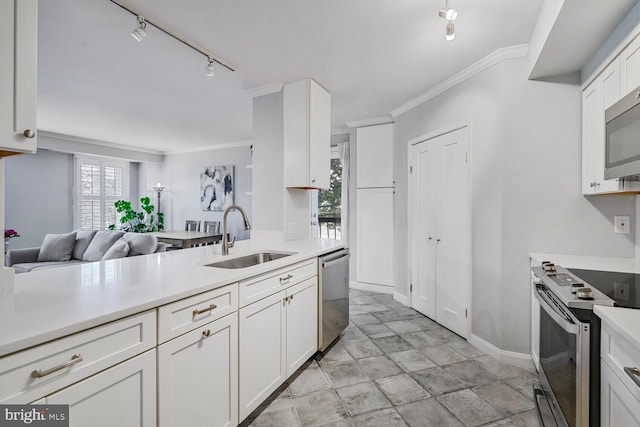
<point>181,178</point>
<point>525,171</point>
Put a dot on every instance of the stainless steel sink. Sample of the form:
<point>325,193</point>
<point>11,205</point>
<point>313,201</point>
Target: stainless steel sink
<point>249,260</point>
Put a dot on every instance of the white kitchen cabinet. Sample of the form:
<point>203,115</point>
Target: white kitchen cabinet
<point>375,156</point>
<point>603,92</point>
<point>630,67</point>
<point>374,236</point>
<point>18,81</point>
<point>198,376</point>
<point>620,394</point>
<point>123,396</point>
<point>277,335</point>
<point>307,135</point>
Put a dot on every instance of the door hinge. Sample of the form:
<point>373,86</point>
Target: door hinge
<point>411,288</point>
<point>466,312</point>
<point>410,169</point>
<point>466,157</point>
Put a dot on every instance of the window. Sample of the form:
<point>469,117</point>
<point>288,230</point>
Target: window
<point>99,184</point>
<point>330,202</point>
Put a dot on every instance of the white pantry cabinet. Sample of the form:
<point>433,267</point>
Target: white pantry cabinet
<point>602,93</point>
<point>375,156</point>
<point>277,335</point>
<point>374,235</point>
<point>123,396</point>
<point>198,376</point>
<point>307,135</point>
<point>18,81</point>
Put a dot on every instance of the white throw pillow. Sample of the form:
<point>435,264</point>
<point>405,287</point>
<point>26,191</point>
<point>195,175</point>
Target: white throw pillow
<point>141,244</point>
<point>119,249</point>
<point>83,239</point>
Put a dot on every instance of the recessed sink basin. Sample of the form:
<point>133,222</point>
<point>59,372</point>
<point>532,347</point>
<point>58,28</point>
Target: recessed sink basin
<point>249,260</point>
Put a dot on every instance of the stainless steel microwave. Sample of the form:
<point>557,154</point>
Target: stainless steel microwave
<point>622,144</point>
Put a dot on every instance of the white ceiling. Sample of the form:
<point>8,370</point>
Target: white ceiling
<point>95,81</point>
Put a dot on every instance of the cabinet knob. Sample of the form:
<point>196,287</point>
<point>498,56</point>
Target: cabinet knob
<point>29,133</point>
<point>437,240</point>
<point>313,180</point>
<point>206,333</point>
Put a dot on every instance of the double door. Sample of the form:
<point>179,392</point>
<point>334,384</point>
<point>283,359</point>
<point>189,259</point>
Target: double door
<point>439,228</point>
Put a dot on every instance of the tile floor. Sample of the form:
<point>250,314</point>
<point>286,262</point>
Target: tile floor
<point>395,367</point>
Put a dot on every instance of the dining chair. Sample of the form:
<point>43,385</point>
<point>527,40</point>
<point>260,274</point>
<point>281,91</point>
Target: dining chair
<point>212,227</point>
<point>192,225</point>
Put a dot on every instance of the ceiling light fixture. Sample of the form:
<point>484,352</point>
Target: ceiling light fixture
<point>141,30</point>
<point>210,71</point>
<point>450,15</point>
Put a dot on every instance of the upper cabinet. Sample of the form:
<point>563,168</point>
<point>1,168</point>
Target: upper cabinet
<point>18,81</point>
<point>630,67</point>
<point>375,156</point>
<point>307,135</point>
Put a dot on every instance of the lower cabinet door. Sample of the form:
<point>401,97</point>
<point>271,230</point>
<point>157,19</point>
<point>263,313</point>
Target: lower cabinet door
<point>123,396</point>
<point>619,408</point>
<point>198,376</point>
<point>262,351</point>
<point>302,323</point>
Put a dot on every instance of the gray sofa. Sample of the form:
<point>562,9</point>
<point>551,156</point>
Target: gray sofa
<point>82,246</point>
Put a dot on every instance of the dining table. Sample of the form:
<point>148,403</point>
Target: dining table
<point>187,239</point>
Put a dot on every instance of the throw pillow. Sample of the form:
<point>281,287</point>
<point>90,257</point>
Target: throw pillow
<point>57,247</point>
<point>119,249</point>
<point>83,238</point>
<point>100,244</point>
<point>141,244</point>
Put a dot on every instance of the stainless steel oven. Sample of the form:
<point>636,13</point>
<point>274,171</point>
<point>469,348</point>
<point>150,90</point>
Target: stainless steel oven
<point>564,361</point>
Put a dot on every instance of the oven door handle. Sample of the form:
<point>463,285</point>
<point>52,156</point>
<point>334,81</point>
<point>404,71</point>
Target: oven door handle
<point>560,319</point>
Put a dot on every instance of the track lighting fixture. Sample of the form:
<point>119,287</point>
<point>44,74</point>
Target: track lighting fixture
<point>141,31</point>
<point>210,71</point>
<point>450,15</point>
<point>450,34</point>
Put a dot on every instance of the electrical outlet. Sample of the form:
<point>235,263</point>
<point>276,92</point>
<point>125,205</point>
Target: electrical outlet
<point>622,224</point>
<point>291,228</point>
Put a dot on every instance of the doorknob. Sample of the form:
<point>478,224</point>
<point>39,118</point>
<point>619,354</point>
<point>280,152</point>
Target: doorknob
<point>28,133</point>
<point>437,240</point>
<point>430,238</point>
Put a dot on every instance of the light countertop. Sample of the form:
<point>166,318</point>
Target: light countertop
<point>52,303</point>
<point>625,321</point>
<point>623,265</point>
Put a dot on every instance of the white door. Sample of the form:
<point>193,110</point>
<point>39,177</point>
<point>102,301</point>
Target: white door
<point>198,376</point>
<point>440,229</point>
<point>124,395</point>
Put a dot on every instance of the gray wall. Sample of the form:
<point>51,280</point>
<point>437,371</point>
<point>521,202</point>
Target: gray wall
<point>39,196</point>
<point>181,177</point>
<point>525,141</point>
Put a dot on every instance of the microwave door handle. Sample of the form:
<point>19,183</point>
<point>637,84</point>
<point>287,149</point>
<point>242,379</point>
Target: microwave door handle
<point>568,326</point>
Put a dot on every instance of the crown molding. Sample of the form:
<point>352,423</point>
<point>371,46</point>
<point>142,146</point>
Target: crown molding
<point>370,122</point>
<point>264,90</point>
<point>209,148</point>
<point>83,140</point>
<point>488,61</point>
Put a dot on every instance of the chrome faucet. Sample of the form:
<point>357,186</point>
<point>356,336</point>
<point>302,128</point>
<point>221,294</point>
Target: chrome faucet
<point>225,239</point>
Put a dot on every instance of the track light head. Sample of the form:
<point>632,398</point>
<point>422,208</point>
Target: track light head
<point>141,30</point>
<point>448,14</point>
<point>210,70</point>
<point>450,33</point>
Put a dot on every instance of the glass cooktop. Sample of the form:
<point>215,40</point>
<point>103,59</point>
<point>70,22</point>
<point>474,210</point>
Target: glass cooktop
<point>623,288</point>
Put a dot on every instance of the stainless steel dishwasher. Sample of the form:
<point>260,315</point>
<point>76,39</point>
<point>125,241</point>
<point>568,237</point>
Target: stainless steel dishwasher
<point>333,296</point>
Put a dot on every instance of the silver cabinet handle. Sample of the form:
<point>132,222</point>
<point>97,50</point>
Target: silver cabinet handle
<point>633,373</point>
<point>28,133</point>
<point>286,278</point>
<point>204,310</point>
<point>76,358</point>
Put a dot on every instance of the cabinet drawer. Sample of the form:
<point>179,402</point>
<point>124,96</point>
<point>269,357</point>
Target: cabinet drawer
<point>619,354</point>
<point>185,315</point>
<point>31,374</point>
<point>259,287</point>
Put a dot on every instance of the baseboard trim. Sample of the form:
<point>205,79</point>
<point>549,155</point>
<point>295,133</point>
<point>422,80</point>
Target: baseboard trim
<point>521,360</point>
<point>402,299</point>
<point>370,287</point>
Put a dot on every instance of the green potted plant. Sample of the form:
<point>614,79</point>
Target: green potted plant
<point>138,222</point>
